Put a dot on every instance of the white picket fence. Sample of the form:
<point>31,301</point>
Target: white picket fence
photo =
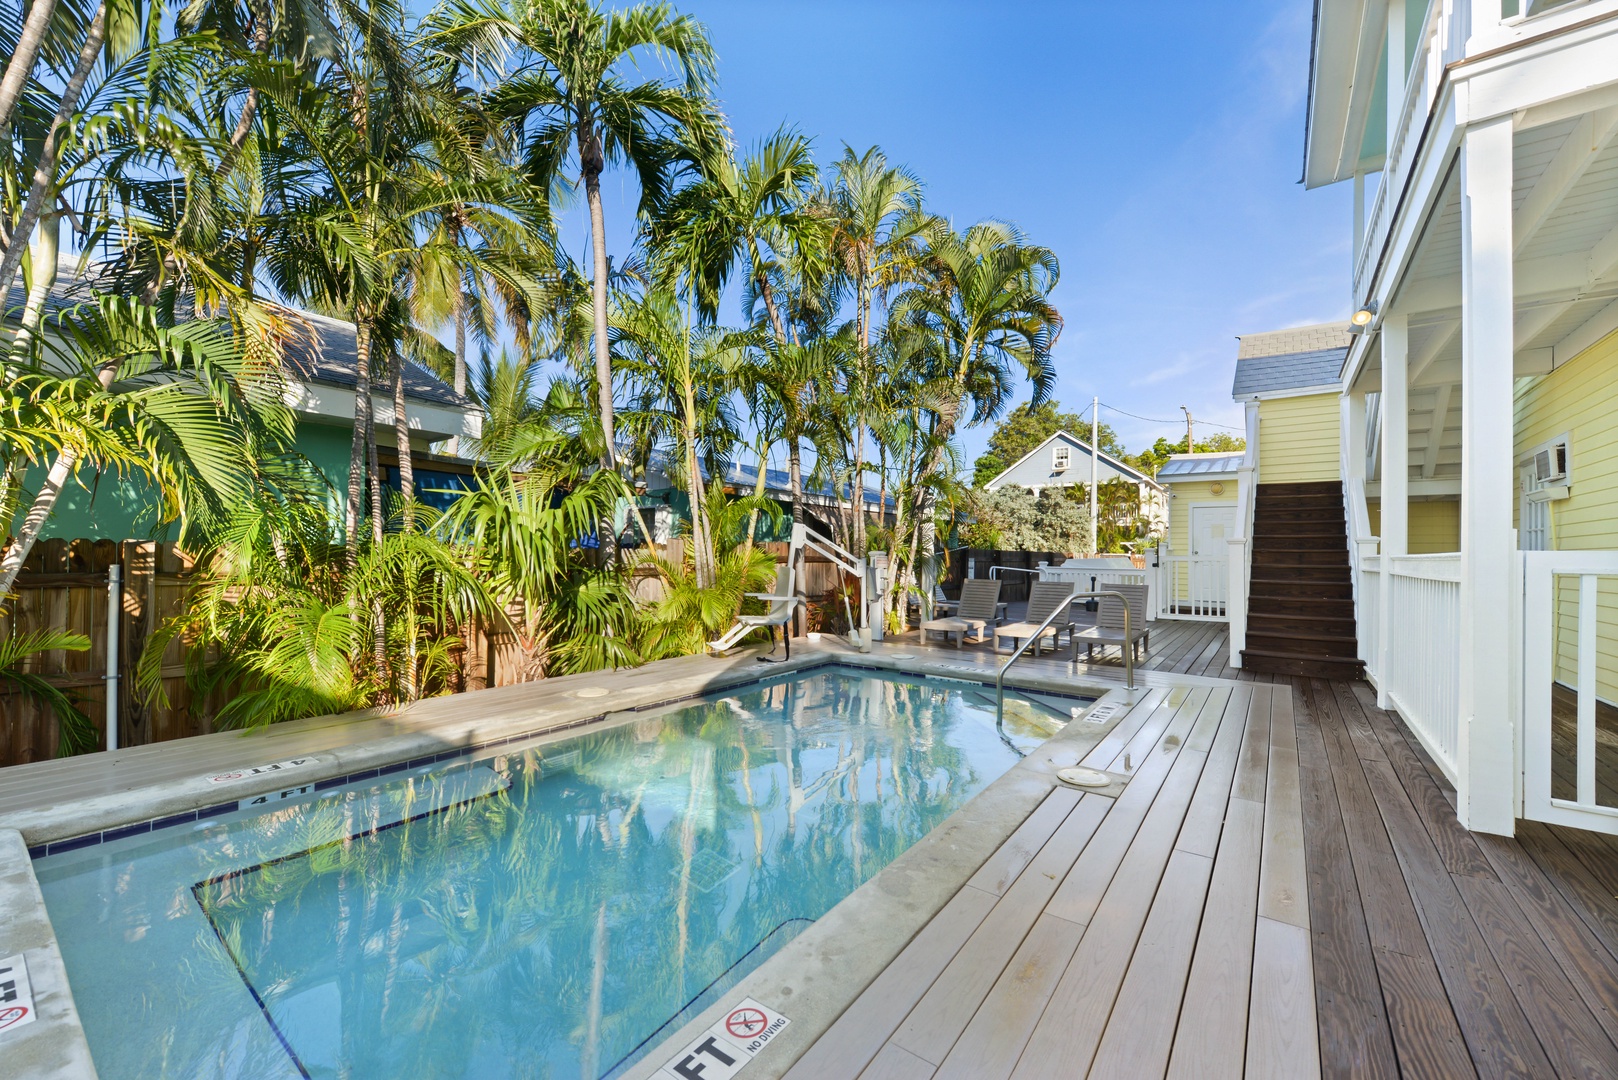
<point>1085,578</point>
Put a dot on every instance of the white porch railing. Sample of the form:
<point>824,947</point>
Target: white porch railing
<point>1423,676</point>
<point>1090,578</point>
<point>1563,624</point>
<point>1193,587</point>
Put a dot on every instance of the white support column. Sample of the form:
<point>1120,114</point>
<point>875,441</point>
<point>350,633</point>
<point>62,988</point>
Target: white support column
<point>1353,421</point>
<point>1486,783</point>
<point>1395,485</point>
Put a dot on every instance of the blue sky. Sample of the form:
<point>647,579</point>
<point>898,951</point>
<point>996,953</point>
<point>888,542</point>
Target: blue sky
<point>1158,154</point>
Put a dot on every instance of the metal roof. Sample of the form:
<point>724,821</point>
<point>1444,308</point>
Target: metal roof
<point>325,352</point>
<point>1191,466</point>
<point>1288,371</point>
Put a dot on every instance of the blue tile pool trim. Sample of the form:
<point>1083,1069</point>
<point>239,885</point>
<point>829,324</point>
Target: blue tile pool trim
<point>73,843</point>
<point>56,847</point>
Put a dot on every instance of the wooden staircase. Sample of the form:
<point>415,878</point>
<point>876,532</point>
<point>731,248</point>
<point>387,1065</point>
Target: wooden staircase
<point>1300,606</point>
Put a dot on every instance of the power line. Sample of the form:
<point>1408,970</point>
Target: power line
<point>1176,423</point>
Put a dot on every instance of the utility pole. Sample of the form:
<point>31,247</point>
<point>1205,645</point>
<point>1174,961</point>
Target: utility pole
<point>1095,449</point>
<point>1190,446</point>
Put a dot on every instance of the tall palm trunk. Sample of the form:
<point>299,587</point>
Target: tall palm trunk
<point>45,169</point>
<point>758,493</point>
<point>356,450</point>
<point>458,309</point>
<point>244,123</point>
<point>21,64</point>
<point>592,162</point>
<point>401,433</point>
<point>858,543</point>
<point>702,556</point>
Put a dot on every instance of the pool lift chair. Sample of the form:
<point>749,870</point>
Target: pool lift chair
<point>785,600</point>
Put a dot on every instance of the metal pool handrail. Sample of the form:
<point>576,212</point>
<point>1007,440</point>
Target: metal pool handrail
<point>1017,653</point>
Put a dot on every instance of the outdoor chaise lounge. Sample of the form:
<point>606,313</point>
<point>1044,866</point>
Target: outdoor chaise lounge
<point>979,609</point>
<point>780,614</point>
<point>1109,627</point>
<point>1044,598</point>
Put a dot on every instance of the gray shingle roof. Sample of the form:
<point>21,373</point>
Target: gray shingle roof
<point>329,356</point>
<point>1188,466</point>
<point>1287,371</point>
<point>325,354</point>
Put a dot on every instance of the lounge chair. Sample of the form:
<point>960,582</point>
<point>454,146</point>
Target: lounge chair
<point>1109,627</point>
<point>782,603</point>
<point>979,609</point>
<point>1044,598</point>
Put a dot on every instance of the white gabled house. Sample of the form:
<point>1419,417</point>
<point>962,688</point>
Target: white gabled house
<point>1476,402</point>
<point>1062,460</point>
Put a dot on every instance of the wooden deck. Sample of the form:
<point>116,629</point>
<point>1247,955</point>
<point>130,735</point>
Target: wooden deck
<point>1282,890</point>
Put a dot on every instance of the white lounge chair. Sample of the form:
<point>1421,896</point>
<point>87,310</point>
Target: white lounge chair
<point>1109,627</point>
<point>979,609</point>
<point>782,602</point>
<point>1044,598</point>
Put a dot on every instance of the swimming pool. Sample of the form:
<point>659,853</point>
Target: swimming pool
<point>554,909</point>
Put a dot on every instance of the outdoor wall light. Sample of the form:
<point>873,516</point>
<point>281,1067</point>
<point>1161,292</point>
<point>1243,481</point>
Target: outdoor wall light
<point>1364,315</point>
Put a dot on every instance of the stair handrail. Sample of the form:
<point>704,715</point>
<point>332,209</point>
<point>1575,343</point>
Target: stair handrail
<point>1017,653</point>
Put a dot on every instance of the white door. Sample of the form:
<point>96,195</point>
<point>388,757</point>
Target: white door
<point>1211,527</point>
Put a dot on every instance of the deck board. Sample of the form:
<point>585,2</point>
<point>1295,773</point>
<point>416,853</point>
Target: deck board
<point>1281,890</point>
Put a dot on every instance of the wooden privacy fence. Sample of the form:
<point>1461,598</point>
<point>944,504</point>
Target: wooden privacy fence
<point>63,586</point>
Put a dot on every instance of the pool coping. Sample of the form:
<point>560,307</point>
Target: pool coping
<point>383,742</point>
<point>53,1046</point>
<point>824,970</point>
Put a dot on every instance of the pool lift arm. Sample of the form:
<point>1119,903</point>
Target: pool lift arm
<point>805,537</point>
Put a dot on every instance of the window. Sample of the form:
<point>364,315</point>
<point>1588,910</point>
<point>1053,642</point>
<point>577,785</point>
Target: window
<point>1535,533</point>
<point>1061,458</point>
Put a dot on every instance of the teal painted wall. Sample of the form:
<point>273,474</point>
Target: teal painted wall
<point>113,507</point>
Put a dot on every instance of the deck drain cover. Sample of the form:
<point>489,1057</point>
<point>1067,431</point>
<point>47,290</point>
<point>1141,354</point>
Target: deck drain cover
<point>1080,777</point>
<point>1100,714</point>
<point>902,656</point>
<point>592,691</point>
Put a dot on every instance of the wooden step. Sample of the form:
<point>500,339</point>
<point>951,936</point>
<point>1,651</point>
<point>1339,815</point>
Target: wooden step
<point>1302,606</point>
<point>1273,555</point>
<point>1293,587</point>
<point>1289,622</point>
<point>1313,667</point>
<point>1308,487</point>
<point>1285,572</point>
<point>1312,644</point>
<point>1280,516</point>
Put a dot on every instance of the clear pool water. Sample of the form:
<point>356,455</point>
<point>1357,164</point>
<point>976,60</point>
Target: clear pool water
<point>549,912</point>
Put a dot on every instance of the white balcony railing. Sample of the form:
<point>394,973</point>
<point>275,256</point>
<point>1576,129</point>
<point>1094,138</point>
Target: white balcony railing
<point>1441,40</point>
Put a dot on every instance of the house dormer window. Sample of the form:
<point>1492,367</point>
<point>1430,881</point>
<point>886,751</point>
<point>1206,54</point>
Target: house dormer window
<point>1061,457</point>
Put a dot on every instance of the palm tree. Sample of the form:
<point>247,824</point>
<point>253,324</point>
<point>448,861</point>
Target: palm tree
<point>984,318</point>
<point>877,217</point>
<point>578,98</point>
<point>740,211</point>
<point>684,376</point>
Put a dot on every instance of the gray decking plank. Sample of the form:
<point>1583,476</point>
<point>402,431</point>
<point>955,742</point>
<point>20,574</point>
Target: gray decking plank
<point>1281,1036</point>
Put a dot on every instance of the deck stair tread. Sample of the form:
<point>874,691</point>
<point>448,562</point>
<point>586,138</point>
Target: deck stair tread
<point>1301,589</point>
